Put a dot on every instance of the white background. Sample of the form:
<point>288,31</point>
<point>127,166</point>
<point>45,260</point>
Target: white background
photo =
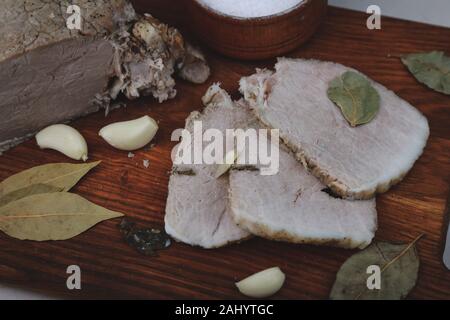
<point>430,11</point>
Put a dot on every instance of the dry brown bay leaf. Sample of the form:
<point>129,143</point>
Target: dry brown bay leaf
<point>355,96</point>
<point>51,216</point>
<point>59,175</point>
<point>431,69</point>
<point>399,267</point>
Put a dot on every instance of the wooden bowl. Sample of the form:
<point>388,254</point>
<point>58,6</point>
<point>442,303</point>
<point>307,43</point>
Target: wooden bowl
<point>255,38</point>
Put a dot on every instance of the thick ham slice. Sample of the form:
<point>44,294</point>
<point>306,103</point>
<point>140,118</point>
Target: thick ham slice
<point>354,162</point>
<point>294,206</point>
<point>197,211</point>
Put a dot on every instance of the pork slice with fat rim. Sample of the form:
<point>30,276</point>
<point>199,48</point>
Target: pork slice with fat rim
<point>355,162</point>
<point>296,207</point>
<point>197,209</point>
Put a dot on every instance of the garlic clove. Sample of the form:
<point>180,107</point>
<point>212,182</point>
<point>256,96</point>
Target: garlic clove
<point>229,160</point>
<point>65,139</point>
<point>262,284</point>
<point>130,135</point>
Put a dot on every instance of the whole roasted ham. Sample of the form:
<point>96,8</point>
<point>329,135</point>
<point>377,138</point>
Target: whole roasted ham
<point>51,73</point>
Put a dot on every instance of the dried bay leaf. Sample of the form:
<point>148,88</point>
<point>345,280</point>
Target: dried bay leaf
<point>51,216</point>
<point>355,96</point>
<point>28,191</point>
<point>431,69</point>
<point>60,175</point>
<point>399,265</point>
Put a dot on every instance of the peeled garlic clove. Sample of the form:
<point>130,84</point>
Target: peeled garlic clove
<point>229,160</point>
<point>262,284</point>
<point>130,135</point>
<point>65,139</point>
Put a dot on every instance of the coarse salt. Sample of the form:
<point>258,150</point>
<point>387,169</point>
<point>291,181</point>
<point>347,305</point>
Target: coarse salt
<point>250,8</point>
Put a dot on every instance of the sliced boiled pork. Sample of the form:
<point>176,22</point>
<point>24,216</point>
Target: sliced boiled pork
<point>197,211</point>
<point>291,205</point>
<point>354,162</point>
<point>294,206</point>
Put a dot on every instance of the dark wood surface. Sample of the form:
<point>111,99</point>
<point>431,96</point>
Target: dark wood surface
<point>112,269</point>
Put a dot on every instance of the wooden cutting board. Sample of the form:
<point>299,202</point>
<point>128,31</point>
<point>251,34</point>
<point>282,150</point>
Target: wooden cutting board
<point>111,269</point>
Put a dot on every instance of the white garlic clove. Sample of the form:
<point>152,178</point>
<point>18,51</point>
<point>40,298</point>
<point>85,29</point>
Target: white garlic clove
<point>229,160</point>
<point>65,139</point>
<point>262,284</point>
<point>130,135</point>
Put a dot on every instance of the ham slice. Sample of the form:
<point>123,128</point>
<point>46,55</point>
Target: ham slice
<point>197,211</point>
<point>355,163</point>
<point>294,206</point>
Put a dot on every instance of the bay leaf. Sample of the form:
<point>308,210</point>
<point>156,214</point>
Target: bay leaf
<point>431,69</point>
<point>355,96</point>
<point>399,265</point>
<point>28,191</point>
<point>51,216</point>
<point>60,175</point>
